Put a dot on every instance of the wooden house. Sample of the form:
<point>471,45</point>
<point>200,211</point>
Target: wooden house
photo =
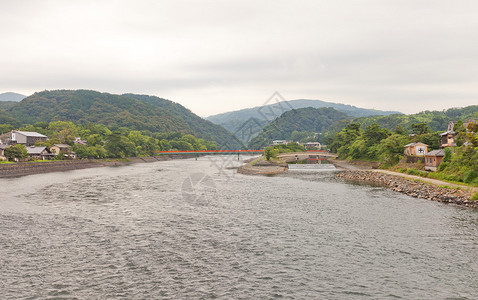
<point>42,153</point>
<point>418,149</point>
<point>57,148</point>
<point>27,138</point>
<point>433,159</point>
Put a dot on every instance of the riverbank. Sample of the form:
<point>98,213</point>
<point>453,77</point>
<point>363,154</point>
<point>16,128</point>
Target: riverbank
<point>31,168</point>
<point>413,187</point>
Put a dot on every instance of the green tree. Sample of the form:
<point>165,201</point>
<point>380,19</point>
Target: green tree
<point>16,152</point>
<point>373,134</point>
<point>119,146</point>
<point>420,128</point>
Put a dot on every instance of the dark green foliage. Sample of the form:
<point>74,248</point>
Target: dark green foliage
<point>447,156</point>
<point>123,113</point>
<point>432,139</point>
<point>374,134</point>
<point>420,128</point>
<point>268,152</point>
<point>290,147</point>
<point>435,120</point>
<point>311,120</point>
<point>470,176</point>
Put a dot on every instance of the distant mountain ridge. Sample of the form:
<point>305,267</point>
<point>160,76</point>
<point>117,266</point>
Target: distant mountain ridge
<point>235,121</point>
<point>14,97</point>
<point>135,112</point>
<point>292,123</point>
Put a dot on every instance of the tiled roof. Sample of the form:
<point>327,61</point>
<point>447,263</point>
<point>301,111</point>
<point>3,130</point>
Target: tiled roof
<point>30,133</point>
<point>35,150</point>
<point>440,152</point>
<point>62,145</point>
<point>415,144</point>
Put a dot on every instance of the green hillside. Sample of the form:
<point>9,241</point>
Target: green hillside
<point>254,119</point>
<point>298,124</point>
<point>436,120</point>
<point>135,112</point>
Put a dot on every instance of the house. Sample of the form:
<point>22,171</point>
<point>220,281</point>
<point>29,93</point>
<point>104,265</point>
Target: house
<point>447,138</point>
<point>64,148</point>
<point>79,141</point>
<point>27,138</point>
<point>433,159</point>
<point>2,152</point>
<point>39,152</point>
<point>279,142</point>
<point>312,146</point>
<point>416,149</point>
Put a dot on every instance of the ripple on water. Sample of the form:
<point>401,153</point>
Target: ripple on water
<point>128,233</point>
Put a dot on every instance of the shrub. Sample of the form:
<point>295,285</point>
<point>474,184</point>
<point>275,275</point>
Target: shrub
<point>474,196</point>
<point>470,176</point>
<point>442,166</point>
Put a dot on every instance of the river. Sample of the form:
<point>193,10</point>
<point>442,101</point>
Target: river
<point>189,229</point>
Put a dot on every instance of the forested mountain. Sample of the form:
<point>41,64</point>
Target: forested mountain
<point>298,124</point>
<point>135,112</point>
<point>436,120</point>
<point>234,121</point>
<point>14,97</point>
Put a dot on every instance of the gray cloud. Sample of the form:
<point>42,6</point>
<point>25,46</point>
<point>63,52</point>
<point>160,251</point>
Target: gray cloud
<point>214,56</point>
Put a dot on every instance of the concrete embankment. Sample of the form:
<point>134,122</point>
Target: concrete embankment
<point>30,168</point>
<point>414,188</point>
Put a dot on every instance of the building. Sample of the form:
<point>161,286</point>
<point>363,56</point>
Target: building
<point>2,152</point>
<point>279,142</point>
<point>26,138</point>
<point>64,148</point>
<point>79,141</point>
<point>433,159</point>
<point>312,146</point>
<point>35,152</point>
<point>416,149</point>
<point>447,138</point>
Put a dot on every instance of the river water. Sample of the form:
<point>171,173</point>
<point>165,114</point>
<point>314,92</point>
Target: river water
<point>189,229</point>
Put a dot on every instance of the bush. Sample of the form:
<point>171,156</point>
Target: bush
<point>470,176</point>
<point>442,166</point>
<point>474,196</point>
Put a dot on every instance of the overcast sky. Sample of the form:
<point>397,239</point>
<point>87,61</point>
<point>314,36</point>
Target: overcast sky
<point>217,56</point>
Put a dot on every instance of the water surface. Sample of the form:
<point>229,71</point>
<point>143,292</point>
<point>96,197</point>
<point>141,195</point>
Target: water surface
<point>196,230</point>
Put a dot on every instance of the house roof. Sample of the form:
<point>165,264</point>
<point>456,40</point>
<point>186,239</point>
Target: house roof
<point>447,132</point>
<point>440,152</point>
<point>3,147</point>
<point>35,150</point>
<point>62,145</point>
<point>30,133</point>
<point>415,144</point>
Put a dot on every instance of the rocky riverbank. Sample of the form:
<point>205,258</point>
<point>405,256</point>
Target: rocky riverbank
<point>31,168</point>
<point>414,188</point>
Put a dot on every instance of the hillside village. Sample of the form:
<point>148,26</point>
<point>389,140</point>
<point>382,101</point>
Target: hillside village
<point>419,151</point>
<point>23,146</point>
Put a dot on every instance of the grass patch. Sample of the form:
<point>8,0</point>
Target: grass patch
<point>474,197</point>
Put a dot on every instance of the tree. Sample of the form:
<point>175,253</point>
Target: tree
<point>119,146</point>
<point>373,134</point>
<point>16,152</point>
<point>420,128</point>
